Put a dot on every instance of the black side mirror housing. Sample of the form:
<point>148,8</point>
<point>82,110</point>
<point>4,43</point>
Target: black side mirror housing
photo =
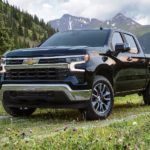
<point>122,47</point>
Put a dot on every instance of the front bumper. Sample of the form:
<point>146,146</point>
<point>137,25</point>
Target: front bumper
<point>39,87</point>
<point>72,95</point>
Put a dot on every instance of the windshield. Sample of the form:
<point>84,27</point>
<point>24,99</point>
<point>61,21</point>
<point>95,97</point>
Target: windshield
<point>92,38</point>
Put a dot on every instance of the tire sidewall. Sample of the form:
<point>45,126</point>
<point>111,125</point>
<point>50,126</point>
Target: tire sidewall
<point>97,80</point>
<point>16,112</point>
<point>146,95</point>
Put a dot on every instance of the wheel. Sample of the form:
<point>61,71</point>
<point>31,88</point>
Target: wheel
<point>102,99</point>
<point>146,96</point>
<point>18,112</point>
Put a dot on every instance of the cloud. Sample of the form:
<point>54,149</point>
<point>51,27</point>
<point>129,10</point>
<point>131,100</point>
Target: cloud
<point>143,19</point>
<point>45,5</point>
<point>48,9</point>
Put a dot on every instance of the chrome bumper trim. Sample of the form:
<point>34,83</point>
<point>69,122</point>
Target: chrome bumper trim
<point>73,95</point>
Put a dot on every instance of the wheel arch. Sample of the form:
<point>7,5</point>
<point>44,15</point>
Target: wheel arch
<point>106,71</point>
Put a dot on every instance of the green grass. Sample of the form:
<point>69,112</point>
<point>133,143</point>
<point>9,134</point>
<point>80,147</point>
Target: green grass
<point>128,127</point>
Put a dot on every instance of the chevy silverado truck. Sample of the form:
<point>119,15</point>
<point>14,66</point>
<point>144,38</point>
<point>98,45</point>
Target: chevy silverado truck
<point>82,69</point>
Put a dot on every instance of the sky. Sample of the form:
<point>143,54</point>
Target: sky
<point>138,10</point>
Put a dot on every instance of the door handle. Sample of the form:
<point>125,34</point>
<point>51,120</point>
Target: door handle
<point>129,59</point>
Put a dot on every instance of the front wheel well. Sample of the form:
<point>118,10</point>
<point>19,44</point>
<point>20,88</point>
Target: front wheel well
<point>106,73</point>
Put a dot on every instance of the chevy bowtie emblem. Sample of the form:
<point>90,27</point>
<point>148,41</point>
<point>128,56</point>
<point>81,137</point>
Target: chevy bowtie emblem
<point>30,61</point>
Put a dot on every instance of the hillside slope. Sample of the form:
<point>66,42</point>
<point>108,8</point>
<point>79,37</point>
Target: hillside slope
<point>23,29</point>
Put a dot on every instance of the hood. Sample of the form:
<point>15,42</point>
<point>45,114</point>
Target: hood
<point>47,51</point>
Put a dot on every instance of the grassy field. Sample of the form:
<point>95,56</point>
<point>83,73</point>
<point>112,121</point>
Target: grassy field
<point>128,127</point>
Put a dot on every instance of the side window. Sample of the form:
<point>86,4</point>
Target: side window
<point>130,40</point>
<point>116,39</point>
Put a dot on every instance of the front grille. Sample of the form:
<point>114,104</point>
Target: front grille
<point>14,62</point>
<point>41,61</point>
<point>52,60</point>
<point>36,74</point>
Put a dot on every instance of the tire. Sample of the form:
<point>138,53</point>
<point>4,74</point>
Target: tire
<point>146,96</point>
<point>102,99</point>
<point>18,112</point>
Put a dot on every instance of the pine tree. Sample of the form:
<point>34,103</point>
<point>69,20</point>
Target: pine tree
<point>16,43</point>
<point>15,25</point>
<point>20,43</point>
<point>20,30</point>
<point>34,36</point>
<point>5,39</point>
<point>25,32</point>
<point>36,19</point>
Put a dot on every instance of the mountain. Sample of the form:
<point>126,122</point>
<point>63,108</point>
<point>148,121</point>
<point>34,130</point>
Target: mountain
<point>121,21</point>
<point>19,29</point>
<point>69,22</point>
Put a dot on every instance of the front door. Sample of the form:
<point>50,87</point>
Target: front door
<point>130,72</point>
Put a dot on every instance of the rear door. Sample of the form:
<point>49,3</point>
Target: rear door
<point>131,71</point>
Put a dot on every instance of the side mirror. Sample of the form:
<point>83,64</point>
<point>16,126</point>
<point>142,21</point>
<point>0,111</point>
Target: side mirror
<point>122,47</point>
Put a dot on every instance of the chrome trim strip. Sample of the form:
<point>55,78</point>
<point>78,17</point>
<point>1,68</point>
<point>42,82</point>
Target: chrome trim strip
<point>43,57</point>
<point>73,95</point>
<point>25,66</point>
<point>50,65</point>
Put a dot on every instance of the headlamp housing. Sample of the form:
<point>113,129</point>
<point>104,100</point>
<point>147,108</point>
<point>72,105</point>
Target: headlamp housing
<point>84,58</point>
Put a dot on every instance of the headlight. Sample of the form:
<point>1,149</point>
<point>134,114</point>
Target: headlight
<point>78,59</point>
<point>2,61</point>
<point>86,57</point>
<point>74,59</point>
<point>1,68</point>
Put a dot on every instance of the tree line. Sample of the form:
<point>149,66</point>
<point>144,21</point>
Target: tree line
<point>19,29</point>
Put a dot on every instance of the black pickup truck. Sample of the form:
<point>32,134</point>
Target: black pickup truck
<point>81,69</point>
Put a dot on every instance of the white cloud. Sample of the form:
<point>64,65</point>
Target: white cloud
<point>52,9</point>
<point>143,19</point>
<point>47,6</point>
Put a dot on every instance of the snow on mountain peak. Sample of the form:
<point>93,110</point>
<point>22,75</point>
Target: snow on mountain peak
<point>69,22</point>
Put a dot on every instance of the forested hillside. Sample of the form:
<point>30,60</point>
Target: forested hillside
<point>18,29</point>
